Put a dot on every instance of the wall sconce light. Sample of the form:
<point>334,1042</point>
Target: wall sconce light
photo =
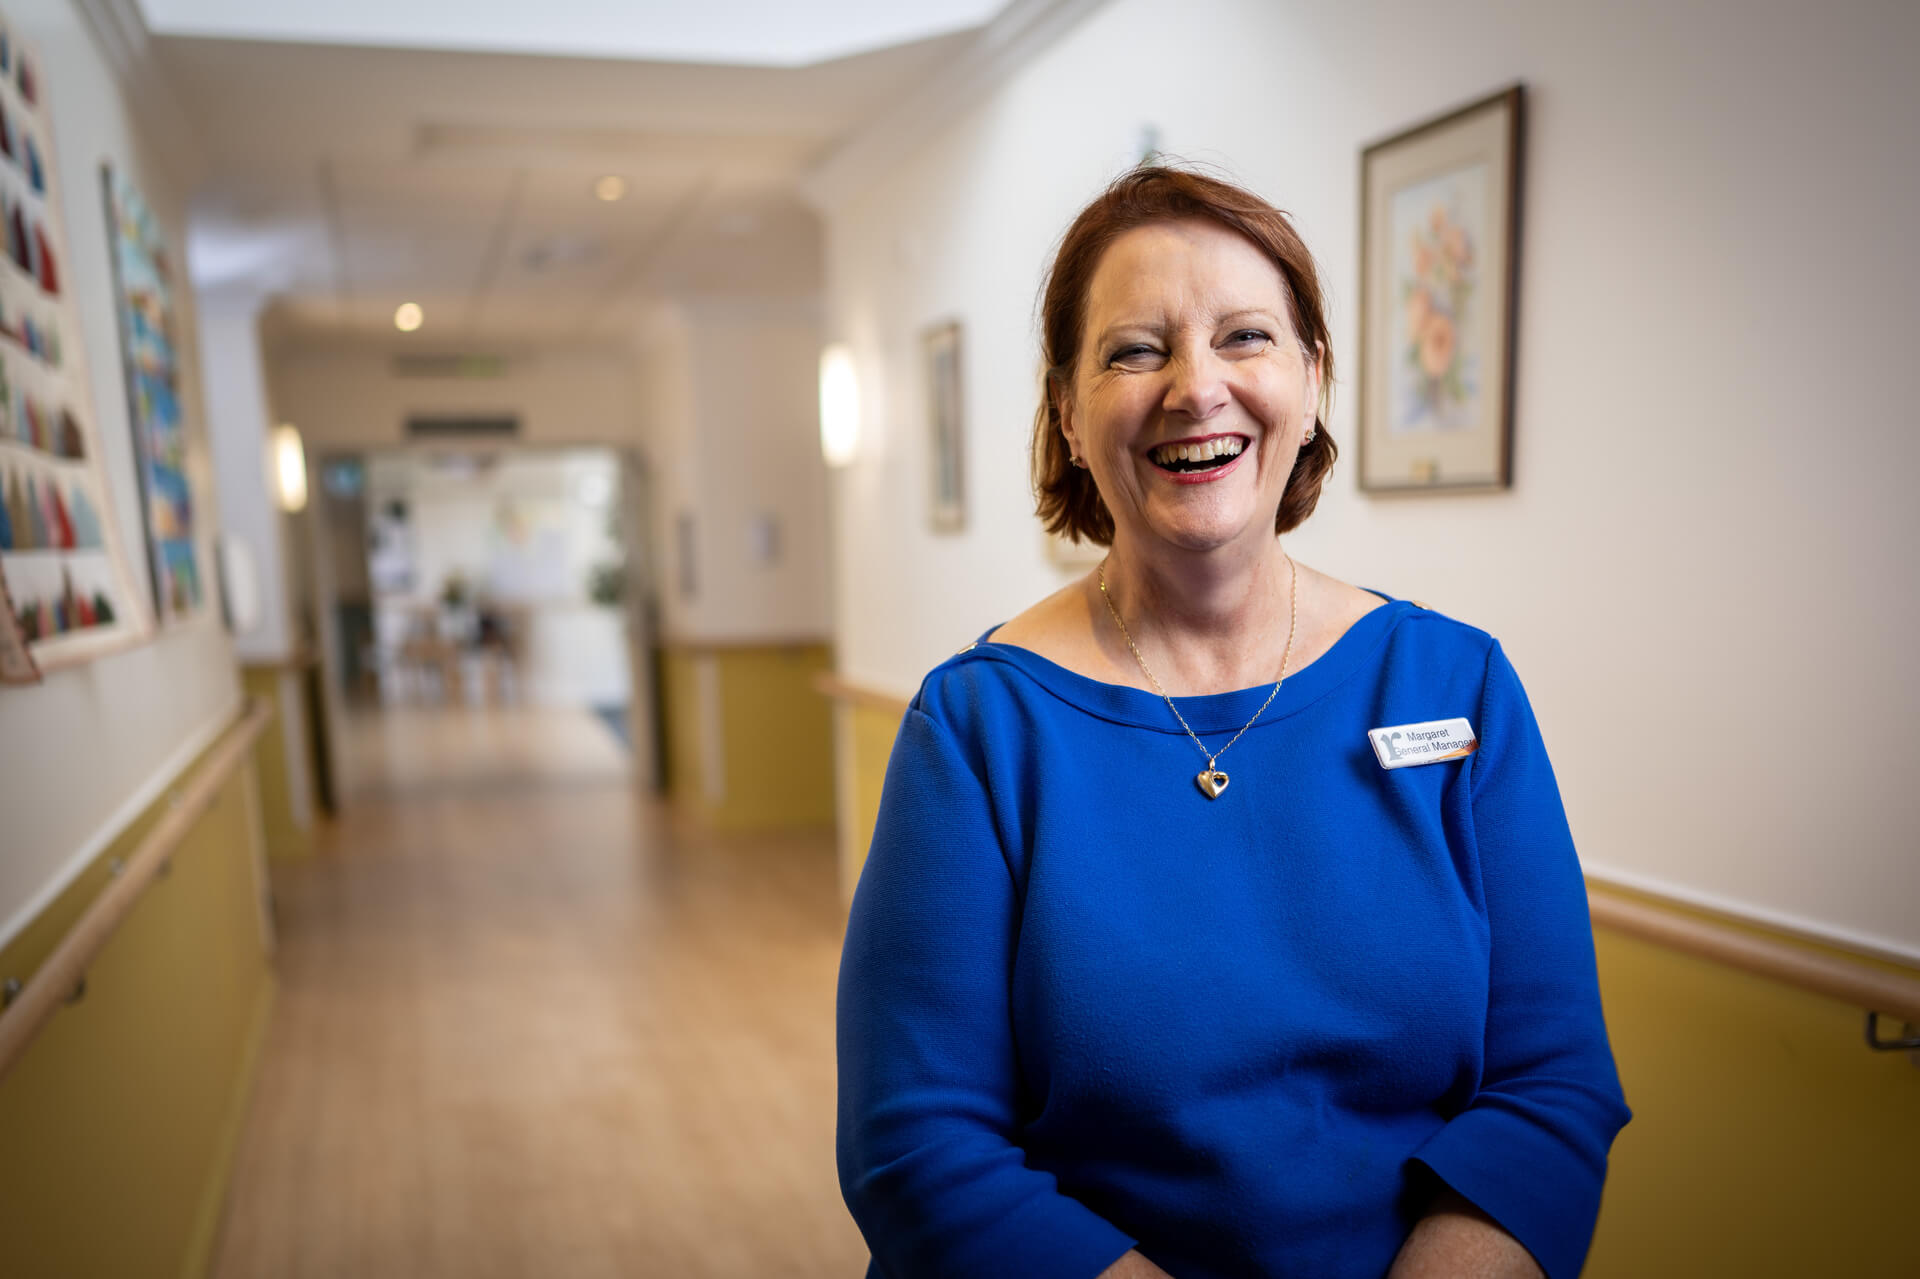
<point>289,468</point>
<point>839,406</point>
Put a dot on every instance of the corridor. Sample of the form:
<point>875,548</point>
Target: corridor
<point>481,485</point>
<point>527,1025</point>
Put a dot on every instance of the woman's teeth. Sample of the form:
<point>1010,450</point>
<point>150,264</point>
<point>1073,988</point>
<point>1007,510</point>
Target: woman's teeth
<point>1198,457</point>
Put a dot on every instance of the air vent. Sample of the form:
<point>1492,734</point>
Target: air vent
<point>440,428</point>
<point>461,366</point>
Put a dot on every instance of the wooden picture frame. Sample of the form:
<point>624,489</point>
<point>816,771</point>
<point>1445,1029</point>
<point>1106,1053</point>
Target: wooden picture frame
<point>1439,286</point>
<point>941,366</point>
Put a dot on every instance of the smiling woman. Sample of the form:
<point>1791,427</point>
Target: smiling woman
<point>1101,1014</point>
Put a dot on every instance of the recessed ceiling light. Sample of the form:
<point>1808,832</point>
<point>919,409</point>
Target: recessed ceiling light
<point>610,188</point>
<point>409,317</point>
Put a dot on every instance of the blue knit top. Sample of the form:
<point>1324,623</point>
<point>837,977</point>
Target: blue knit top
<point>1084,1008</point>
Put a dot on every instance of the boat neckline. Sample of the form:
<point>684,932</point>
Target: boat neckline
<point>1206,712</point>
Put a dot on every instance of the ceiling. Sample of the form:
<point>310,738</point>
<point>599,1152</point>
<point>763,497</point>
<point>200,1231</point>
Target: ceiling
<point>343,180</point>
<point>775,33</point>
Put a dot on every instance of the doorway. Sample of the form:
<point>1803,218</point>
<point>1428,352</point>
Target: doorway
<point>484,613</point>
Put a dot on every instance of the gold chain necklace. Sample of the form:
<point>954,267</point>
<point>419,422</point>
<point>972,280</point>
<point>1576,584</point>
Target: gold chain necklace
<point>1210,779</point>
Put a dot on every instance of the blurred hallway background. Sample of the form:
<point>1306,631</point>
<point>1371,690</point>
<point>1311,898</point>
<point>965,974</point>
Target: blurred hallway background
<point>547,445</point>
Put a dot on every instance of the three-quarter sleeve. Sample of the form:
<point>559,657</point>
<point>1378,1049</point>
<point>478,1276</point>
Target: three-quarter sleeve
<point>1531,1148</point>
<point>928,1125</point>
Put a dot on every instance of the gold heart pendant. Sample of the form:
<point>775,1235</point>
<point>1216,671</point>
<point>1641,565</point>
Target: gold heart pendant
<point>1212,781</point>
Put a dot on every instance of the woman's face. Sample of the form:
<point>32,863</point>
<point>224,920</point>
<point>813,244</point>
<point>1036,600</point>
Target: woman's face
<point>1191,394</point>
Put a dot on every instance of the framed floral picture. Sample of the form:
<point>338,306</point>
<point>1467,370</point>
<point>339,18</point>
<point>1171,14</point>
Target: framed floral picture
<point>1439,259</point>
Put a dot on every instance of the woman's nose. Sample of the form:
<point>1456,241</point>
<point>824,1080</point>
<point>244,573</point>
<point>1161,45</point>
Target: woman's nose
<point>1198,388</point>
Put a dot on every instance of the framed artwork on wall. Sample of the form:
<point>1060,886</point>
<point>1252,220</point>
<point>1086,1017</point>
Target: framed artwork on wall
<point>65,581</point>
<point>946,426</point>
<point>1439,274</point>
<point>143,289</point>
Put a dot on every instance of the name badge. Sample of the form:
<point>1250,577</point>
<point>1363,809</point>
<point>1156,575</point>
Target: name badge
<point>1408,744</point>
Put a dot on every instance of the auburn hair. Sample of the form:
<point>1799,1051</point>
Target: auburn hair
<point>1064,494</point>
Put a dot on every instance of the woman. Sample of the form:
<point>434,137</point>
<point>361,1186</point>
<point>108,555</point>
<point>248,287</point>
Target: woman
<point>1318,1008</point>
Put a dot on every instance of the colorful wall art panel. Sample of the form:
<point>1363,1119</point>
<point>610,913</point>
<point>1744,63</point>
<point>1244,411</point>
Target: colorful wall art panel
<point>143,284</point>
<point>66,592</point>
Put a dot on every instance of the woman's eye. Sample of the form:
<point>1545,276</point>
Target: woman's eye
<point>1249,338</point>
<point>1133,357</point>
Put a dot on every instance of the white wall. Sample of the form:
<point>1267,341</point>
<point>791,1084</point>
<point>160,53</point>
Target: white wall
<point>348,397</point>
<point>239,420</point>
<point>577,656</point>
<point>82,752</point>
<point>1703,570</point>
<point>732,420</point>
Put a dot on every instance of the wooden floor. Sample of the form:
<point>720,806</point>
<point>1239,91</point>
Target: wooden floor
<point>526,1029</point>
<point>405,749</point>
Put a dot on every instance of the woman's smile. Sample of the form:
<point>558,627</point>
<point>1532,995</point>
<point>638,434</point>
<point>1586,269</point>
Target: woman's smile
<point>1202,460</point>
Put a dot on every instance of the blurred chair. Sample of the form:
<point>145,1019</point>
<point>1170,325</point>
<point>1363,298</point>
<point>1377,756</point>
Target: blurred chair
<point>411,657</point>
<point>494,660</point>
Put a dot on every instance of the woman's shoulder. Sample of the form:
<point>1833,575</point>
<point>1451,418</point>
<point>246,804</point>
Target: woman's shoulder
<point>1061,628</point>
<point>1008,664</point>
<point>1333,610</point>
<point>1429,625</point>
<point>1032,664</point>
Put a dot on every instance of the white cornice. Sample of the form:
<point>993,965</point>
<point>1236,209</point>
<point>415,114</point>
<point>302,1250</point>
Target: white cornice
<point>1023,30</point>
<point>120,31</point>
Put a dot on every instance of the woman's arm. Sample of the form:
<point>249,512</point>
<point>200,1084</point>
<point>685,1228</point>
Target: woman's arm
<point>1455,1240</point>
<point>929,1069</point>
<point>1530,1149</point>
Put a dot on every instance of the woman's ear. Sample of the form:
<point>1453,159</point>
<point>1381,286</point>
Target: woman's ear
<point>1316,369</point>
<point>1063,413</point>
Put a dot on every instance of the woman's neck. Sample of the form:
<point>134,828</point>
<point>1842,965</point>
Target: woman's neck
<point>1205,622</point>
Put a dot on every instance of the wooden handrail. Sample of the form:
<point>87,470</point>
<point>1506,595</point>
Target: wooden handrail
<point>299,659</point>
<point>54,982</point>
<point>856,694</point>
<point>745,643</point>
<point>1864,985</point>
